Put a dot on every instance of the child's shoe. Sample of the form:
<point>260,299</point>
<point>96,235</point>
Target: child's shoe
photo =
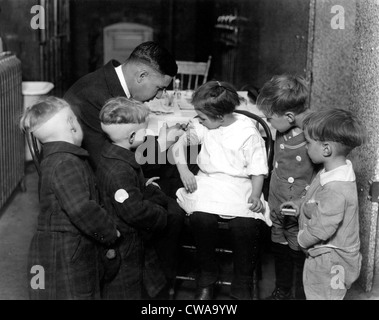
<point>280,294</point>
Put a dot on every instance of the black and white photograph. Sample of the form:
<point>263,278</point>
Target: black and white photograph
<point>116,116</point>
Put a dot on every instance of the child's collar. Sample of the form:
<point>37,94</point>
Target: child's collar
<point>341,173</point>
<point>63,146</point>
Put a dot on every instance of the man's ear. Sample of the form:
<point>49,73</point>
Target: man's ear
<point>142,74</point>
<point>326,149</point>
<point>132,137</point>
<point>290,116</point>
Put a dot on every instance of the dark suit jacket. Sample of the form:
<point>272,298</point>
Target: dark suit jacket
<point>87,96</point>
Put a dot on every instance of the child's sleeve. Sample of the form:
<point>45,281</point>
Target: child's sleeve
<point>193,136</point>
<point>326,212</point>
<point>131,205</point>
<point>255,155</point>
<point>72,191</point>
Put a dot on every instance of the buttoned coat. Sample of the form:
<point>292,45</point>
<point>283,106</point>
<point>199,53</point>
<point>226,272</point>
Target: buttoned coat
<point>72,228</point>
<point>141,214</point>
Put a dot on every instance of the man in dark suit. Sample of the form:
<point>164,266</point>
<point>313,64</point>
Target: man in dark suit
<point>143,76</point>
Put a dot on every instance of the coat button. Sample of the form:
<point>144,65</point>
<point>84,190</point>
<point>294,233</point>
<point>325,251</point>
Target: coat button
<point>291,180</point>
<point>298,158</point>
<point>276,164</point>
<point>281,146</point>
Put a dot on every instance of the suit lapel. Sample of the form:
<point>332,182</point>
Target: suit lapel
<point>111,78</point>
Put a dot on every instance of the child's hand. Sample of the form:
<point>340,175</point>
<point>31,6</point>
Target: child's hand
<point>294,209</point>
<point>189,181</point>
<point>256,204</point>
<point>111,254</point>
<point>151,181</point>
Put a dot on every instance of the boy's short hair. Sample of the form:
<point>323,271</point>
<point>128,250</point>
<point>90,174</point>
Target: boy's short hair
<point>283,93</point>
<point>336,125</point>
<point>122,110</point>
<point>156,57</point>
<point>40,112</point>
<point>216,98</point>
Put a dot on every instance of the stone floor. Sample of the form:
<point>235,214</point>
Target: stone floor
<point>17,225</point>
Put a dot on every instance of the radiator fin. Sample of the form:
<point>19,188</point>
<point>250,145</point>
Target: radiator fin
<point>12,150</point>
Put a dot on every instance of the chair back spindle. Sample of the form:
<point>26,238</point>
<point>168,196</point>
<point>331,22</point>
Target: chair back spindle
<point>193,74</point>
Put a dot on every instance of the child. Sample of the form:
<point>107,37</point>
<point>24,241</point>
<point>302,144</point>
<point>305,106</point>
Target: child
<point>71,224</point>
<point>149,221</point>
<point>233,164</point>
<point>283,100</point>
<point>329,222</point>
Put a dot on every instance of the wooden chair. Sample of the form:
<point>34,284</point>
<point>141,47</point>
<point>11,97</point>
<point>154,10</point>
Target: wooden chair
<point>187,273</point>
<point>192,74</point>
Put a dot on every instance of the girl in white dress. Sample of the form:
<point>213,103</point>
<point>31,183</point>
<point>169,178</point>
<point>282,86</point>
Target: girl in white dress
<point>233,165</point>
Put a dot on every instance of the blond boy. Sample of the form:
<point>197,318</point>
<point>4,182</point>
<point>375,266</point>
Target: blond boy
<point>149,221</point>
<point>72,226</point>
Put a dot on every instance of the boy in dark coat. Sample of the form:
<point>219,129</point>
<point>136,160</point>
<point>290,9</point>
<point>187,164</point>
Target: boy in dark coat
<point>72,228</point>
<point>149,221</point>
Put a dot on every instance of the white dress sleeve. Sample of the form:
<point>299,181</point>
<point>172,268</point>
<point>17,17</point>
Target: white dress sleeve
<point>255,155</point>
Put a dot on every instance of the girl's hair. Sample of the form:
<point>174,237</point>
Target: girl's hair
<point>283,93</point>
<point>123,110</point>
<point>336,125</point>
<point>40,112</point>
<point>216,98</point>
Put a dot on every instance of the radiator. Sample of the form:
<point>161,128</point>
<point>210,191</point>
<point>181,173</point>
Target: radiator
<point>12,147</point>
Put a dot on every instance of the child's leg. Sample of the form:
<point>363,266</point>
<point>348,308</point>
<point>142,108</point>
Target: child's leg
<point>245,234</point>
<point>204,228</point>
<point>167,243</point>
<point>281,252</point>
<point>297,256</point>
<point>283,271</point>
